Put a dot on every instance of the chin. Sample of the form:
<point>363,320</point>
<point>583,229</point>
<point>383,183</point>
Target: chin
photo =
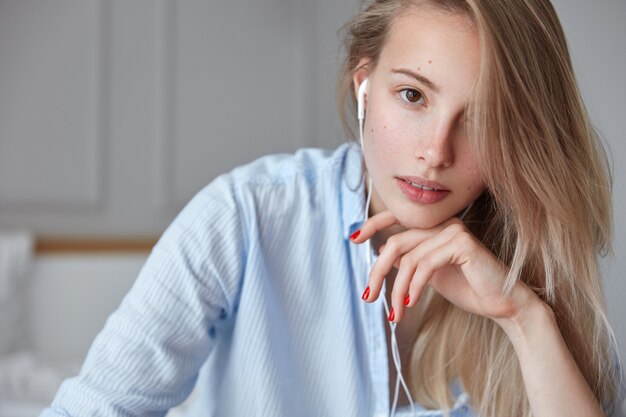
<point>421,221</point>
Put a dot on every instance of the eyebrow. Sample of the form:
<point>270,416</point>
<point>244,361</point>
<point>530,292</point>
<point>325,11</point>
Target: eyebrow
<point>418,77</point>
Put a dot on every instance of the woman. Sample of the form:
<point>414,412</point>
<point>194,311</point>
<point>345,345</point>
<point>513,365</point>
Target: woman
<point>500,121</point>
<point>490,202</point>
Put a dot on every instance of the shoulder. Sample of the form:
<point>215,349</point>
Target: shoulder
<point>279,182</point>
<point>306,170</point>
<point>618,407</point>
<point>283,168</point>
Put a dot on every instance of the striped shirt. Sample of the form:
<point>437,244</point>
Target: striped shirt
<point>254,294</point>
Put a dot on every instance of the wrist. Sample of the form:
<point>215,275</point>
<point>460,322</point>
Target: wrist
<point>533,314</point>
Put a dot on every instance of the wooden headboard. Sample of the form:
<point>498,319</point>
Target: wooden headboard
<point>58,245</point>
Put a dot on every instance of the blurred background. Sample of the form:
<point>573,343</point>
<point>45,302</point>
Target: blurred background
<point>114,113</point>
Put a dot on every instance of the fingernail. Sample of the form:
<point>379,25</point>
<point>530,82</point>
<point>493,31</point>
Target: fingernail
<point>366,293</point>
<point>392,315</point>
<point>355,235</point>
<point>407,300</point>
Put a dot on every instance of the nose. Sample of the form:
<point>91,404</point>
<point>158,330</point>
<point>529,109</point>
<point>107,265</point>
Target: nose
<point>436,147</point>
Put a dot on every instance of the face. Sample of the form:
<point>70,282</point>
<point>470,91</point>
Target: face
<point>414,124</point>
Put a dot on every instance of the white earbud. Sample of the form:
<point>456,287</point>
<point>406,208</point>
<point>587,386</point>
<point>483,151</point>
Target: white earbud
<point>361,100</point>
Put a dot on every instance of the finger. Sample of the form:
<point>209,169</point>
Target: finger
<point>401,286</point>
<point>421,252</point>
<point>413,237</point>
<point>396,263</point>
<point>408,266</point>
<point>395,248</point>
<point>386,219</point>
<point>372,225</point>
<point>447,253</point>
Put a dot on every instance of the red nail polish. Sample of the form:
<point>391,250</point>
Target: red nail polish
<point>355,235</point>
<point>366,293</point>
<point>392,315</point>
<point>407,300</point>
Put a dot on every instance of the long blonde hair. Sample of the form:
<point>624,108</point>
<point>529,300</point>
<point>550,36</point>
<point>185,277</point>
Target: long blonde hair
<point>546,211</point>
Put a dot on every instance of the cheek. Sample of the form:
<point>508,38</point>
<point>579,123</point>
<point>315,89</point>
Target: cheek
<point>471,173</point>
<point>389,131</point>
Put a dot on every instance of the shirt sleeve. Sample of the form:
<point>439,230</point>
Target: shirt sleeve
<point>619,409</point>
<point>147,357</point>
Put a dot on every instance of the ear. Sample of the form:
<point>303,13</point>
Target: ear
<point>362,72</point>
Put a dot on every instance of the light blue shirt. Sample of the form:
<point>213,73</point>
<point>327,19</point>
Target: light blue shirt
<point>254,293</point>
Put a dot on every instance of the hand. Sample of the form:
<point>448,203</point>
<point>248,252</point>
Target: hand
<point>451,260</point>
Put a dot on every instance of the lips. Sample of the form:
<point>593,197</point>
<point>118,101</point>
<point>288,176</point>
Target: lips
<point>428,193</point>
<point>424,183</point>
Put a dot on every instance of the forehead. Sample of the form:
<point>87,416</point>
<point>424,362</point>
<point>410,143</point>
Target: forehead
<point>440,43</point>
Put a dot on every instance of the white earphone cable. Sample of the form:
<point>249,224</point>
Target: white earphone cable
<point>395,352</point>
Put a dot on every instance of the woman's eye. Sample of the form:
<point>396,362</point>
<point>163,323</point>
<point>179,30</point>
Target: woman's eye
<point>411,95</point>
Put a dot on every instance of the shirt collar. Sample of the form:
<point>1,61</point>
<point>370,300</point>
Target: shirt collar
<point>352,190</point>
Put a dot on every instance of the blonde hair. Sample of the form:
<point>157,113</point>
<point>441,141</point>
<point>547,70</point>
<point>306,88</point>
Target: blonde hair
<point>546,211</point>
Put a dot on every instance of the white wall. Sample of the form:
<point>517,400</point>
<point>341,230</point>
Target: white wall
<point>113,101</point>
